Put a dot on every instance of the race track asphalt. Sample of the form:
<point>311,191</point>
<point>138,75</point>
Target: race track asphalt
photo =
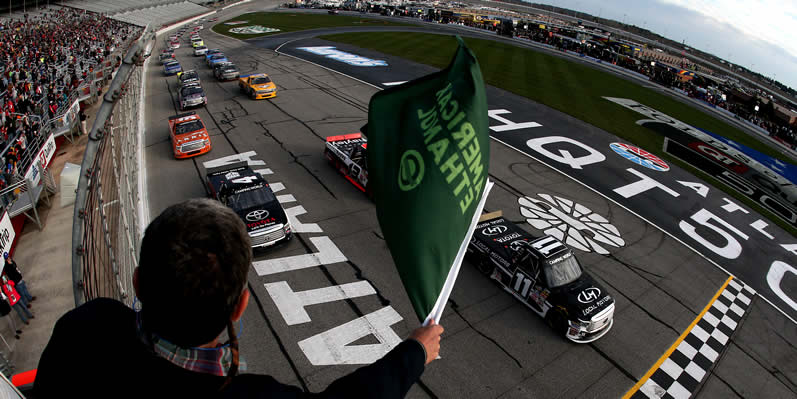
<point>493,346</point>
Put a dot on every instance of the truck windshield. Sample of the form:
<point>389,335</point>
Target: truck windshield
<point>563,272</point>
<point>192,90</point>
<point>261,81</point>
<point>188,127</point>
<point>252,198</point>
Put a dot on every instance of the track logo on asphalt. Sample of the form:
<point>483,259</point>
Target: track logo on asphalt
<point>253,30</point>
<point>640,157</point>
<point>342,56</point>
<point>572,223</point>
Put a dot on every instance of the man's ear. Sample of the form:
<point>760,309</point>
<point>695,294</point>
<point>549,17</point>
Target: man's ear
<point>240,307</point>
<point>135,283</point>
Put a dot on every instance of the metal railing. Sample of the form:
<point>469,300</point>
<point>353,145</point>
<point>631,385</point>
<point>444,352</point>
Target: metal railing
<point>105,231</point>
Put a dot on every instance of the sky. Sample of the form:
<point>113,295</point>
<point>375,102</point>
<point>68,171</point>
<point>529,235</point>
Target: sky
<point>760,35</point>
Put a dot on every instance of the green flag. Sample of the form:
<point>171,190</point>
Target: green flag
<point>429,152</point>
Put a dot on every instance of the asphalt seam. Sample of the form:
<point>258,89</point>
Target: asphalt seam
<point>455,308</point>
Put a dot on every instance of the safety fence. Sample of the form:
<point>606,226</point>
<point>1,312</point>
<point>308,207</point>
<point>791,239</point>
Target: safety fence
<point>105,235</point>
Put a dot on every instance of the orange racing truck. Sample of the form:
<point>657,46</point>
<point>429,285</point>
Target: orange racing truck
<point>188,135</point>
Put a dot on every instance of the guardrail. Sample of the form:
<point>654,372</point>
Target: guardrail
<point>105,230</point>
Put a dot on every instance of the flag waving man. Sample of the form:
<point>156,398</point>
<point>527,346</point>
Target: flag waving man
<point>430,175</point>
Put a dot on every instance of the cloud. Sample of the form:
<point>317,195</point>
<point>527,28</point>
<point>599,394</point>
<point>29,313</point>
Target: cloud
<point>772,21</point>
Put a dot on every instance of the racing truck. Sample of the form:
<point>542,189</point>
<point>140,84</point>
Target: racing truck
<point>257,86</point>
<point>544,274</point>
<point>347,153</point>
<point>188,135</point>
<point>248,194</point>
<point>185,78</point>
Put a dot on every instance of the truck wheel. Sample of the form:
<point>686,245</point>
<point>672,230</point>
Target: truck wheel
<point>557,321</point>
<point>485,267</point>
<point>252,94</point>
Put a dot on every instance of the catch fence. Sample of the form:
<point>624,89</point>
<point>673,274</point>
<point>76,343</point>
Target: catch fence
<point>105,235</point>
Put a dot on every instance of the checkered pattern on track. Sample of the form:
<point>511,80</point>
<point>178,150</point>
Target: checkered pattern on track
<point>682,372</point>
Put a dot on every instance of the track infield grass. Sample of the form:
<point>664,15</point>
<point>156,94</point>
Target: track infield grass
<point>569,87</point>
<point>291,22</point>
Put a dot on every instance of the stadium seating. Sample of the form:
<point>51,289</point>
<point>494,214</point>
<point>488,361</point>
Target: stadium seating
<point>139,11</point>
<point>161,14</point>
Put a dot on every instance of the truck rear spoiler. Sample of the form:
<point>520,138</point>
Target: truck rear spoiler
<point>252,74</point>
<point>220,170</point>
<point>490,216</point>
<point>178,116</point>
<point>344,137</point>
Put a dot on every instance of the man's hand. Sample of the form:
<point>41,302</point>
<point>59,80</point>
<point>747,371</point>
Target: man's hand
<point>429,337</point>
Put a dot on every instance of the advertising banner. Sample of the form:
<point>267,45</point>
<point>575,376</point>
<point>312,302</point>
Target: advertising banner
<point>43,158</point>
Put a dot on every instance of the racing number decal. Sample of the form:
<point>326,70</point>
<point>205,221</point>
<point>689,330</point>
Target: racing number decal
<point>546,245</point>
<point>245,180</point>
<point>520,280</point>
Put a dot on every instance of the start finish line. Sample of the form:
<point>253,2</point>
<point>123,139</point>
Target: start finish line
<point>334,346</point>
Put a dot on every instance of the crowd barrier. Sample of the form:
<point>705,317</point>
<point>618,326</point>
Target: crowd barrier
<point>105,231</point>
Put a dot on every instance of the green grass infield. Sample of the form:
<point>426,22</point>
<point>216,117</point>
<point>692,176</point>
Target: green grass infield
<point>567,86</point>
<point>290,22</point>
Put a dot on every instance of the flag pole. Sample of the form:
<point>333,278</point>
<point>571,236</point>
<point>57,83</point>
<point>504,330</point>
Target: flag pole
<point>448,286</point>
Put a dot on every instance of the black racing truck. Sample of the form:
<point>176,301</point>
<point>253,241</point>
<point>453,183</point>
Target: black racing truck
<point>544,274</point>
<point>249,195</point>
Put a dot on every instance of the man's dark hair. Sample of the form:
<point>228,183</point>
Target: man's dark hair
<point>192,269</point>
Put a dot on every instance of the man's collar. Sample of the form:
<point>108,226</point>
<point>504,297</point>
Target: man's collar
<point>214,361</point>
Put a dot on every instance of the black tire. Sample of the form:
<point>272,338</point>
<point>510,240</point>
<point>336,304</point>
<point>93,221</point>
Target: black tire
<point>485,267</point>
<point>557,321</point>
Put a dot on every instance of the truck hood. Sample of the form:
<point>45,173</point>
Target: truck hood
<point>261,217</point>
<point>265,86</point>
<point>193,97</point>
<point>583,298</point>
<point>191,136</point>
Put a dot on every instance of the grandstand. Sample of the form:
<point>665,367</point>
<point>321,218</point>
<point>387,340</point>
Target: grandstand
<point>143,12</point>
<point>161,14</point>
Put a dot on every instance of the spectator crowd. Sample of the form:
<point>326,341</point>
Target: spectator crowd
<point>43,62</point>
<point>695,81</point>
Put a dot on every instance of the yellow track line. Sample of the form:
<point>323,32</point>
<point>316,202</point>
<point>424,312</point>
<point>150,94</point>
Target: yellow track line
<point>676,343</point>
